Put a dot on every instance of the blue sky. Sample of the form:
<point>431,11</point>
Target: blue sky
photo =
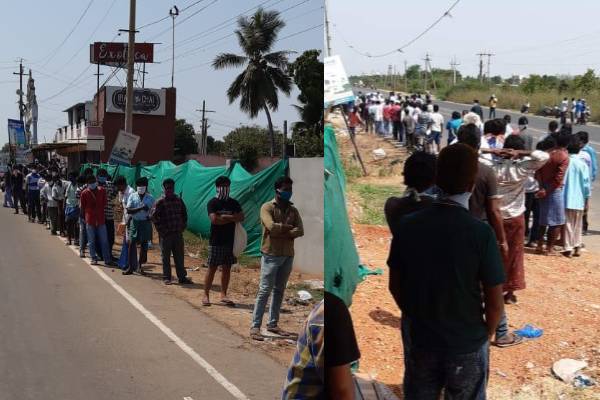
<point>48,23</point>
<point>535,36</point>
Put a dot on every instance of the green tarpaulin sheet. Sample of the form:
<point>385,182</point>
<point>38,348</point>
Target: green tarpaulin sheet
<point>341,257</point>
<point>195,184</point>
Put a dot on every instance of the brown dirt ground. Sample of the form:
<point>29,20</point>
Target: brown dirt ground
<point>562,297</point>
<point>242,290</point>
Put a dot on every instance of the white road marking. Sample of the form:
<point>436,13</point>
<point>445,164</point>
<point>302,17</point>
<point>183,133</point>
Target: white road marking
<point>216,375</point>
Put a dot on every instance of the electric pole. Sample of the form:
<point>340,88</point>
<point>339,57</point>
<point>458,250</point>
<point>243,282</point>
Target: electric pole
<point>203,140</point>
<point>327,34</point>
<point>489,56</point>
<point>98,74</point>
<point>130,68</point>
<point>429,70</point>
<point>173,12</point>
<point>405,77</point>
<point>454,64</point>
<point>20,73</point>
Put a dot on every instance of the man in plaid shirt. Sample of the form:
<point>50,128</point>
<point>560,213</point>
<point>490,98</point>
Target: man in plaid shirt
<point>170,219</point>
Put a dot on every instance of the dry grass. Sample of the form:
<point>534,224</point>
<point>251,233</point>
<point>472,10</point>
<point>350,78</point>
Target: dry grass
<point>513,98</point>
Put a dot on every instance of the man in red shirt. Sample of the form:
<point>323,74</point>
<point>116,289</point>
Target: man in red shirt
<point>387,117</point>
<point>92,202</point>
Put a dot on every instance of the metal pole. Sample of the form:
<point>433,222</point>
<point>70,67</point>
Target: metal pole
<point>173,12</point>
<point>203,126</point>
<point>144,76</point>
<point>327,34</point>
<point>130,67</point>
<point>283,144</point>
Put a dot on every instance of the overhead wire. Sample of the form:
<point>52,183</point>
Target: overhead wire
<point>54,52</point>
<point>168,16</point>
<point>405,45</point>
<point>183,20</point>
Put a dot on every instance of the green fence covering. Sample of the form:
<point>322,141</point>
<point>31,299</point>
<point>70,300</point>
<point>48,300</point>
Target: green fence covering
<point>341,258</point>
<point>195,184</point>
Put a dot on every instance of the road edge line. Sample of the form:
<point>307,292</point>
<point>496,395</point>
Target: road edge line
<point>216,375</point>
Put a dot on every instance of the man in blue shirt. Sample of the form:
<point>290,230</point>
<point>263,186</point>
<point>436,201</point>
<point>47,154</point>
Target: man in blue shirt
<point>33,195</point>
<point>584,137</point>
<point>139,226</point>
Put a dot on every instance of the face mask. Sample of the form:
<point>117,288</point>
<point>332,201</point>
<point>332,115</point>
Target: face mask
<point>92,186</point>
<point>34,171</point>
<point>223,192</point>
<point>141,189</point>
<point>284,195</point>
<point>102,179</point>
<point>522,127</point>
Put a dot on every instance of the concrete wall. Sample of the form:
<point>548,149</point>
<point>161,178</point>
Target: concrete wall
<point>157,132</point>
<point>307,174</point>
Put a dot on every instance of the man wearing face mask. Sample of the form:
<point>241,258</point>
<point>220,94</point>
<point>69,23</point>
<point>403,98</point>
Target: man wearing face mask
<point>169,215</point>
<point>444,332</point>
<point>58,194</point>
<point>281,224</point>
<point>140,227</point>
<point>93,201</point>
<point>51,204</point>
<point>33,194</point>
<point>224,212</point>
<point>109,210</point>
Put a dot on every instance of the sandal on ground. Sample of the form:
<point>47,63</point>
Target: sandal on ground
<point>185,281</point>
<point>508,340</point>
<point>256,335</point>
<point>228,302</point>
<point>206,303</point>
<point>278,331</point>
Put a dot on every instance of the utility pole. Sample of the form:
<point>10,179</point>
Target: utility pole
<point>327,34</point>
<point>428,69</point>
<point>173,12</point>
<point>283,144</point>
<point>98,74</point>
<point>489,56</point>
<point>454,64</point>
<point>480,67</point>
<point>203,144</point>
<point>20,73</point>
<point>144,75</point>
<point>130,67</point>
<point>405,77</point>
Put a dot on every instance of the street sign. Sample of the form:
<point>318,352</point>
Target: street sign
<point>16,132</point>
<point>124,148</point>
<point>115,53</point>
<point>337,87</point>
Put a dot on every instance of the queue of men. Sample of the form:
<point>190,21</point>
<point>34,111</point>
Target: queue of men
<point>83,208</point>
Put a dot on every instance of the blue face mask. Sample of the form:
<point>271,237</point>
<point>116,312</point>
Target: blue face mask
<point>92,186</point>
<point>284,195</point>
<point>102,179</point>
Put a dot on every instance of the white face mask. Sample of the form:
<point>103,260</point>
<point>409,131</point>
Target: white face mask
<point>141,189</point>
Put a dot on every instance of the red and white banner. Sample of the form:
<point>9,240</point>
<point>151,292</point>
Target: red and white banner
<point>115,54</point>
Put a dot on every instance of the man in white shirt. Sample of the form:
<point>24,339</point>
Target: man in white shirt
<point>377,111</point>
<point>436,128</point>
<point>564,106</point>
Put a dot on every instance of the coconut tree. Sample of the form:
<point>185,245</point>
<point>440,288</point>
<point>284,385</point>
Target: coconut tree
<point>264,73</point>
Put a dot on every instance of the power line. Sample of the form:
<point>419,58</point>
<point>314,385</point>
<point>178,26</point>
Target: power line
<point>52,54</point>
<point>86,43</point>
<point>223,24</point>
<point>401,48</point>
<point>183,20</point>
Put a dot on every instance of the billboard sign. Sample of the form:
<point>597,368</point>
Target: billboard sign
<point>124,148</point>
<point>115,53</point>
<point>16,132</point>
<point>337,87</point>
<point>145,101</point>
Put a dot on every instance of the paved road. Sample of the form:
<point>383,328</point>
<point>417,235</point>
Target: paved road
<point>67,334</point>
<point>538,126</point>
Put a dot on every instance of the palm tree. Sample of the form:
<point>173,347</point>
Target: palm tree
<point>264,71</point>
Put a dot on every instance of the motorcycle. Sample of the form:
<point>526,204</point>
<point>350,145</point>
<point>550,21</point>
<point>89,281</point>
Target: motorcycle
<point>525,108</point>
<point>551,112</point>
